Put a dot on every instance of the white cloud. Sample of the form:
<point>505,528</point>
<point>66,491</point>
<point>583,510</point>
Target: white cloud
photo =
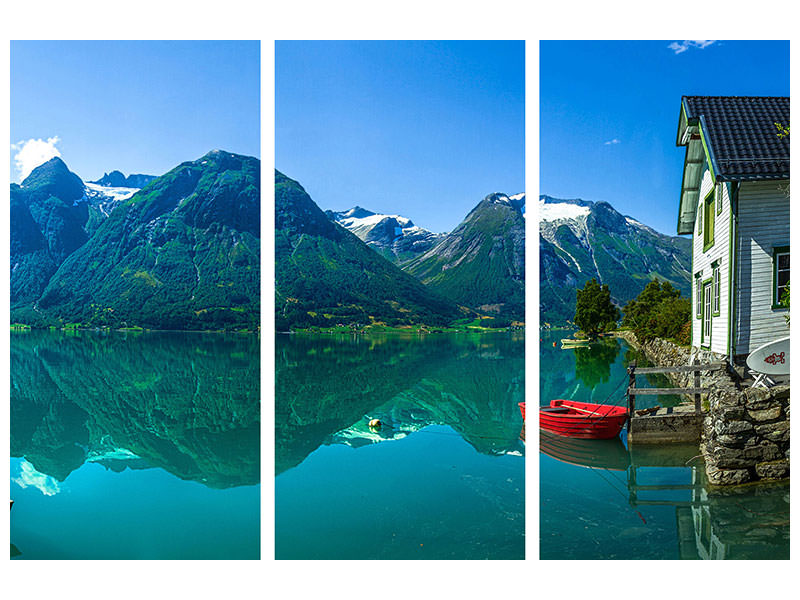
<point>30,477</point>
<point>683,46</point>
<point>32,153</point>
<point>611,142</point>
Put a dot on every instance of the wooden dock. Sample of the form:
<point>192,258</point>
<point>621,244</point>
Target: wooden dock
<point>677,424</point>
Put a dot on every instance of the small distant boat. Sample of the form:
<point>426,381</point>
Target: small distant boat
<point>582,419</point>
<point>571,343</point>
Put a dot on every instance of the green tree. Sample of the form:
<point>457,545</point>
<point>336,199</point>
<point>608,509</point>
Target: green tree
<point>658,311</point>
<point>594,311</point>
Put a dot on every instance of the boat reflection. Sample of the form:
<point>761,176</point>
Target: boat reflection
<point>595,454</point>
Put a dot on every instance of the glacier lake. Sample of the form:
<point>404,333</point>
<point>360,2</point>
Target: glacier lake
<point>134,445</point>
<point>442,477</point>
<point>601,500</point>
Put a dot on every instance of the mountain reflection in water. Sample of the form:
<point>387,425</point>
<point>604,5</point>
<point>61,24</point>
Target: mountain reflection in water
<point>442,478</point>
<point>329,387</point>
<point>187,403</point>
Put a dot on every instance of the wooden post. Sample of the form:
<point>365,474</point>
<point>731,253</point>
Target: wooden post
<point>697,407</point>
<point>632,485</point>
<point>631,392</point>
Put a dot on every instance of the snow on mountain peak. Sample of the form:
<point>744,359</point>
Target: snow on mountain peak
<point>370,220</point>
<point>116,193</point>
<point>553,211</point>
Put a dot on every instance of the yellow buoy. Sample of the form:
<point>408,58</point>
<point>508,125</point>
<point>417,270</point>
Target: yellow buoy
<point>375,423</point>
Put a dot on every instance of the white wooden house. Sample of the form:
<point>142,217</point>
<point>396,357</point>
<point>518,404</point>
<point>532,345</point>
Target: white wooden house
<point>735,204</point>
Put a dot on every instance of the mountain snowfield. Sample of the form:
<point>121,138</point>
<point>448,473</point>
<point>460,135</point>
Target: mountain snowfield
<point>580,240</point>
<point>553,210</point>
<point>106,198</point>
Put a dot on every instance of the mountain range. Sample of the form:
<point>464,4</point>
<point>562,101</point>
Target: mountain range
<point>392,236</point>
<point>358,266</point>
<point>118,179</point>
<point>181,253</point>
<point>325,275</point>
<point>580,240</point>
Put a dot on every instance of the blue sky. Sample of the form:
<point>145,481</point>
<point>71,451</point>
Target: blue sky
<point>420,129</point>
<point>609,114</point>
<point>138,107</point>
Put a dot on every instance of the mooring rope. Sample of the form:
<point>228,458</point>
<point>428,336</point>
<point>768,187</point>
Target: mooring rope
<point>603,403</point>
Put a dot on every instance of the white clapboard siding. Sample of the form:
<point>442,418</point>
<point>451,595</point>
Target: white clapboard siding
<point>702,264</point>
<point>763,225</point>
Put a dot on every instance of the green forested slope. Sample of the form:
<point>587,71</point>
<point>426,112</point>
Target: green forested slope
<point>47,225</point>
<point>183,253</point>
<point>481,263</point>
<point>325,275</point>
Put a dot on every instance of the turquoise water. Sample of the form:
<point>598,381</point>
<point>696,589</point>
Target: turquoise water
<point>442,478</point>
<point>134,445</point>
<point>598,500</point>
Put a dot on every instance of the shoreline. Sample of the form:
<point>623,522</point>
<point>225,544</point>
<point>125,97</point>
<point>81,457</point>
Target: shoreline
<point>132,330</point>
<point>436,331</point>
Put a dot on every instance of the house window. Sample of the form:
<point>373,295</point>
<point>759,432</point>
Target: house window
<point>700,220</point>
<point>698,296</point>
<point>717,285</point>
<point>707,292</point>
<point>780,266</point>
<point>708,217</point>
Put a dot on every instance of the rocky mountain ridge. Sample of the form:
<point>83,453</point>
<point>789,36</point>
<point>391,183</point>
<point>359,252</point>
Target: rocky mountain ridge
<point>394,237</point>
<point>580,240</point>
<point>183,253</point>
<point>481,263</point>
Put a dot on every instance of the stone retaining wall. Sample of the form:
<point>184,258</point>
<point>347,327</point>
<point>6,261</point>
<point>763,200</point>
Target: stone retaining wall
<point>745,435</point>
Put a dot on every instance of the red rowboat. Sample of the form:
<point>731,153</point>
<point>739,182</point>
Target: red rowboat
<point>522,409</point>
<point>582,419</point>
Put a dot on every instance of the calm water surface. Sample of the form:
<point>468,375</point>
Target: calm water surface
<point>138,445</point>
<point>600,501</point>
<point>444,476</point>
